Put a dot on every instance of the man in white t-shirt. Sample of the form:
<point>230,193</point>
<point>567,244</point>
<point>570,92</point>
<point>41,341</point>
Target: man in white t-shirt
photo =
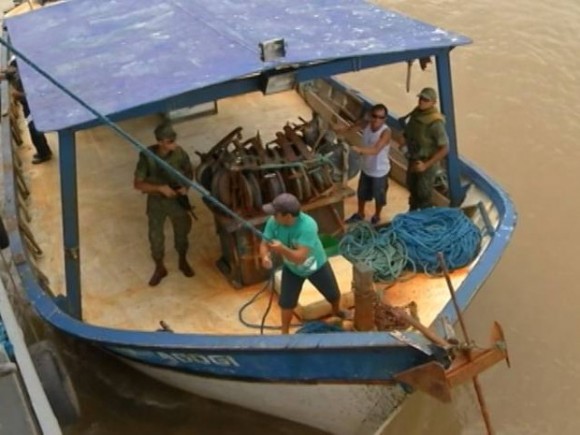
<point>374,178</point>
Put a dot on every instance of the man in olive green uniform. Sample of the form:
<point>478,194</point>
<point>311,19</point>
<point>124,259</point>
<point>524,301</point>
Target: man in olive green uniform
<point>162,191</point>
<point>427,145</point>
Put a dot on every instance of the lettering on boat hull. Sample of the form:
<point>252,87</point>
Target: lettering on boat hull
<point>196,358</point>
<point>194,361</point>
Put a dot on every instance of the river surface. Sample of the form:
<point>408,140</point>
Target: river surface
<point>517,95</point>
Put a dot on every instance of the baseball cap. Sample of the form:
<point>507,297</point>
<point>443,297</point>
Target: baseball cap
<point>428,94</point>
<point>285,203</point>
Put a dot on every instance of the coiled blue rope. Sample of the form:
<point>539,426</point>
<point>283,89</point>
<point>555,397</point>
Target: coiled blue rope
<point>412,242</point>
<point>438,229</point>
<point>380,250</point>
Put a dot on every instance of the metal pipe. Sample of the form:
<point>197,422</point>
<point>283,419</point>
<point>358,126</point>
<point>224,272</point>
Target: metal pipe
<point>70,221</point>
<point>444,82</point>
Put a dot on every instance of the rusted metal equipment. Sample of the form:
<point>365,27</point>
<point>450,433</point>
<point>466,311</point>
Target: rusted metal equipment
<point>468,360</point>
<point>245,173</point>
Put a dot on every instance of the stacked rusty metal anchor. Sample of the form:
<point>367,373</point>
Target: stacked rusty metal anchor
<point>244,174</point>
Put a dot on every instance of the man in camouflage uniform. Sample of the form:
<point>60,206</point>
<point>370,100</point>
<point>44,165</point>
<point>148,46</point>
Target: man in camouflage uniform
<point>427,145</point>
<point>162,191</point>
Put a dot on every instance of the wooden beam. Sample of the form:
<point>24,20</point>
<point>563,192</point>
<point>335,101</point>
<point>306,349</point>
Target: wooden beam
<point>364,297</point>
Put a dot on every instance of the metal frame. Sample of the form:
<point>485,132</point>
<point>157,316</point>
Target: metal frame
<point>70,221</point>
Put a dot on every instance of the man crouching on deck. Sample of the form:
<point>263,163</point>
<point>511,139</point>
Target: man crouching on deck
<point>294,236</point>
<point>162,199</point>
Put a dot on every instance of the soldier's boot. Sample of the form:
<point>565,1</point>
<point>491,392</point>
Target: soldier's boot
<point>185,267</point>
<point>159,273</point>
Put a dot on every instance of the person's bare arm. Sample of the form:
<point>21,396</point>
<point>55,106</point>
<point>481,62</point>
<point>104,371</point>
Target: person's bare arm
<point>297,255</point>
<point>438,156</point>
<point>265,256</point>
<point>345,129</point>
<point>382,142</point>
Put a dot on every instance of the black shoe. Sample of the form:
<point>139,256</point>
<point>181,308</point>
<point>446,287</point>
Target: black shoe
<point>36,159</point>
<point>36,155</point>
<point>185,267</point>
<point>354,218</point>
<point>159,273</point>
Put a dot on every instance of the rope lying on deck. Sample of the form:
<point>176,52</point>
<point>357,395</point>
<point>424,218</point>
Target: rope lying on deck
<point>379,250</point>
<point>437,229</point>
<point>412,242</point>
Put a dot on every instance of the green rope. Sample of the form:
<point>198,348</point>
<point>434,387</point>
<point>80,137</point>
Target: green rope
<point>380,250</point>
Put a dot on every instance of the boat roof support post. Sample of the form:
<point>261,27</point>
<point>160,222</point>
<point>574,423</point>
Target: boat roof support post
<point>70,221</point>
<point>444,83</point>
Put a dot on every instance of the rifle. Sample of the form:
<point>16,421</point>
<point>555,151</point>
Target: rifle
<point>183,200</point>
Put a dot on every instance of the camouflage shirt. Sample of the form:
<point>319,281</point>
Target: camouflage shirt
<point>151,172</point>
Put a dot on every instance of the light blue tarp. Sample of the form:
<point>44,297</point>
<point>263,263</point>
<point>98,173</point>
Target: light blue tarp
<point>122,54</point>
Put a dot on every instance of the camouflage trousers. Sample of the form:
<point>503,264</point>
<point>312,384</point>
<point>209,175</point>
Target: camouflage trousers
<point>158,210</point>
<point>420,185</point>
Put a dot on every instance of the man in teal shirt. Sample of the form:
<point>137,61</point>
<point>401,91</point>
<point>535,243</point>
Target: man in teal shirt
<point>294,236</point>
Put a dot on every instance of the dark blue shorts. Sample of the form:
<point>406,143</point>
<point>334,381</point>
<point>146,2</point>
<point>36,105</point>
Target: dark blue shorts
<point>323,279</point>
<point>370,188</point>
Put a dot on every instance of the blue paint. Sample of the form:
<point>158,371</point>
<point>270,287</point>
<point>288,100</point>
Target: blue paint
<point>508,218</point>
<point>289,365</point>
<point>456,192</point>
<point>122,55</point>
<point>70,221</point>
<point>5,341</point>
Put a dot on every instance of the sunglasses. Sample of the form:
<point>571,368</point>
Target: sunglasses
<point>373,115</point>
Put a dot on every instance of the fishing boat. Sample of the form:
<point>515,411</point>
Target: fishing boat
<point>99,76</point>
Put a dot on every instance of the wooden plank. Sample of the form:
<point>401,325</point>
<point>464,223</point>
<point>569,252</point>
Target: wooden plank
<point>331,117</point>
<point>364,297</point>
<point>22,9</point>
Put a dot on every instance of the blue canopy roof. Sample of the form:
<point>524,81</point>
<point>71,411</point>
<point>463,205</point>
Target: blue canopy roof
<point>119,55</point>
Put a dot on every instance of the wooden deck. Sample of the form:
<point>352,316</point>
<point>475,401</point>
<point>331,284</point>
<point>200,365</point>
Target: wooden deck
<point>115,259</point>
